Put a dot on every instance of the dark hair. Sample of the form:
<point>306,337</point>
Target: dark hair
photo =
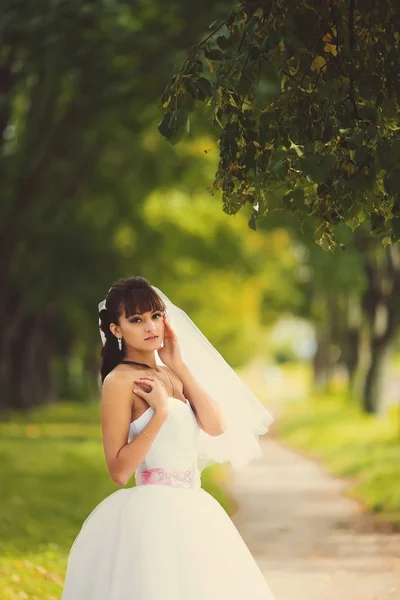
<point>131,295</point>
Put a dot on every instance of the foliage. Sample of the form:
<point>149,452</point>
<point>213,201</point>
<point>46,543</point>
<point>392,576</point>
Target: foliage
<point>75,84</point>
<point>232,306</point>
<point>306,98</point>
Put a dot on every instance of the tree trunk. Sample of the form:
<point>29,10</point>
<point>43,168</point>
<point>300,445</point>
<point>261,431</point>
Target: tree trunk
<point>25,359</point>
<point>373,379</point>
<point>322,365</point>
<point>351,358</point>
<point>382,311</point>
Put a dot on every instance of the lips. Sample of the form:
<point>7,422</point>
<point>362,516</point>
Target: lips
<point>152,337</point>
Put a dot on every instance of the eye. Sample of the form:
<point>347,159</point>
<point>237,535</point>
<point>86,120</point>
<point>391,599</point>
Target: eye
<point>137,319</point>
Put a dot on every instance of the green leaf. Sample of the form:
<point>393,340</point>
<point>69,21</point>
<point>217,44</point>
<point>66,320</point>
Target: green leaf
<point>353,223</point>
<point>214,54</point>
<point>294,198</point>
<point>204,88</point>
<point>369,86</point>
<point>164,127</point>
<point>232,204</point>
<point>317,166</point>
<point>377,223</point>
<point>255,52</point>
<point>362,155</point>
<point>173,127</point>
<point>252,221</point>
<point>391,181</point>
<point>386,241</point>
<point>223,42</point>
<point>325,240</point>
<point>368,113</point>
<point>388,153</point>
<point>355,140</point>
<point>296,148</point>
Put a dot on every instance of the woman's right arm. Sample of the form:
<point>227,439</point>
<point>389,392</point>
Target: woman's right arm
<point>124,458</point>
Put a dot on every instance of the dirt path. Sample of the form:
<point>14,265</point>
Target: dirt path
<point>310,541</point>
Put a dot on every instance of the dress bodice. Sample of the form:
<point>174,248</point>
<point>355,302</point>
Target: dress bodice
<point>173,454</point>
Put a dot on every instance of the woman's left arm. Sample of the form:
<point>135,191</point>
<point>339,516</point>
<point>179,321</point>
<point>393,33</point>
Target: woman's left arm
<point>208,413</point>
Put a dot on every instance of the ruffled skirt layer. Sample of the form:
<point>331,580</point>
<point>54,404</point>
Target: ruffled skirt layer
<point>155,542</point>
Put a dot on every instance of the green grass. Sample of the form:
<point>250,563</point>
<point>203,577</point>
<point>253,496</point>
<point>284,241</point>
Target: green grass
<point>363,448</point>
<point>52,475</point>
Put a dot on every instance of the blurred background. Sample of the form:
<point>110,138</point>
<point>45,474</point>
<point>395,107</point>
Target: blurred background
<point>92,192</point>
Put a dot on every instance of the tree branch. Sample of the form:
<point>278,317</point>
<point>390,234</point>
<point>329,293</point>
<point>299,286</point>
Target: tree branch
<point>352,43</point>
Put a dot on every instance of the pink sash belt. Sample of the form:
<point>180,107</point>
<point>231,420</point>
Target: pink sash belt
<point>160,476</point>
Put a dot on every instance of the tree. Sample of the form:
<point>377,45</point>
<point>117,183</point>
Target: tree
<point>380,304</point>
<point>306,99</point>
<point>75,84</point>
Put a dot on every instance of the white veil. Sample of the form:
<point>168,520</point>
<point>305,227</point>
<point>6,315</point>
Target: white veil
<point>246,418</point>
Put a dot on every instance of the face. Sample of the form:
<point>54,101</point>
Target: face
<point>138,328</point>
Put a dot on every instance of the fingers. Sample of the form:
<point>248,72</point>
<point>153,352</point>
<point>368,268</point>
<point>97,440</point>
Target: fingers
<point>166,322</point>
<point>139,392</point>
<point>146,379</point>
<point>149,381</point>
<point>169,330</point>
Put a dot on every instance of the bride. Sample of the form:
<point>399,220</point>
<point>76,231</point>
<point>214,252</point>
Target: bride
<point>170,406</point>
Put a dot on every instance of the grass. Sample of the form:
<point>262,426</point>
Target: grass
<point>363,448</point>
<point>52,475</point>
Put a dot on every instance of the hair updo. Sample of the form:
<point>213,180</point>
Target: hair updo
<point>131,295</point>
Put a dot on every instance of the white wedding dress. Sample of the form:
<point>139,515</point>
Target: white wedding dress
<point>166,538</point>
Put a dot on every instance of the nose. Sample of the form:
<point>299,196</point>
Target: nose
<point>151,326</point>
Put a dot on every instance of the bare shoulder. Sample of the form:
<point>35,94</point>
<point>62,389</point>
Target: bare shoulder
<point>114,381</point>
<point>120,377</point>
<point>117,388</point>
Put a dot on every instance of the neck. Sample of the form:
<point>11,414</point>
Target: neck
<point>147,358</point>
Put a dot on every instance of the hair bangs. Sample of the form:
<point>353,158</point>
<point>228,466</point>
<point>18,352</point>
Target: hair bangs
<point>140,301</point>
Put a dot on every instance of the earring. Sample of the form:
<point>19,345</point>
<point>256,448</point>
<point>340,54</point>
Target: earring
<point>119,343</point>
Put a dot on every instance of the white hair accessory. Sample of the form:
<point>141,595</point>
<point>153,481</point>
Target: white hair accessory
<point>245,417</point>
<point>102,305</point>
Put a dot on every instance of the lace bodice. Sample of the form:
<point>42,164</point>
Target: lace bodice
<point>175,449</point>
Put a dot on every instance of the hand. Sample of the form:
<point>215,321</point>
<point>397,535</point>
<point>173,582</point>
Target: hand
<point>170,354</point>
<point>156,397</point>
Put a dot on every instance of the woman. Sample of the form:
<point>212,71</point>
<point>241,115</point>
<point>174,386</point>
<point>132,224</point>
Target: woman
<point>166,538</point>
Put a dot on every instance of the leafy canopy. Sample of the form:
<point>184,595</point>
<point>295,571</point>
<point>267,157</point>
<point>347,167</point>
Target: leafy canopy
<point>305,97</point>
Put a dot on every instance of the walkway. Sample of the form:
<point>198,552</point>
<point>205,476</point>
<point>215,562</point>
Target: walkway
<point>311,542</point>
